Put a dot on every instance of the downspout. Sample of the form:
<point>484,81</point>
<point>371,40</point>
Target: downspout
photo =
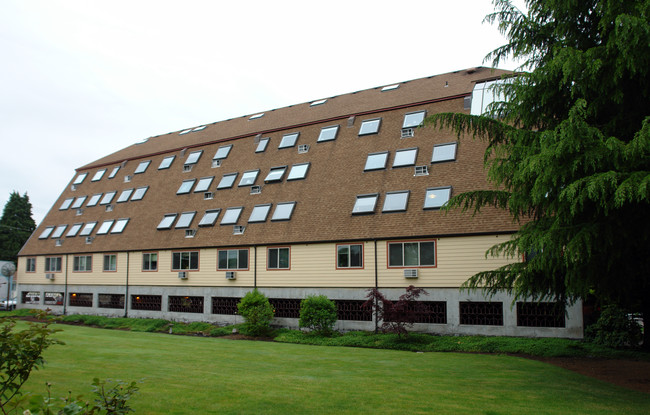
<point>65,288</point>
<point>376,288</point>
<point>126,288</point>
<point>255,271</point>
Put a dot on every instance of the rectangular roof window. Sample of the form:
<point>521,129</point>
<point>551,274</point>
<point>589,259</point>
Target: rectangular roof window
<point>275,175</point>
<point>139,193</point>
<point>66,203</point>
<point>120,224</point>
<point>74,230</point>
<point>167,221</point>
<point>222,152</point>
<point>256,116</point>
<point>124,196</point>
<point>319,102</point>
<point>413,119</point>
<point>260,213</point>
<point>396,201</point>
<point>142,167</point>
<point>261,146</point>
<point>166,162</point>
<point>204,184</point>
<point>389,87</point>
<point>405,157</point>
<point>80,178</point>
<point>210,217</point>
<point>289,140</point>
<point>88,229</point>
<point>231,215</point>
<point>283,211</point>
<point>298,171</point>
<point>114,172</point>
<point>185,220</point>
<point>436,198</point>
<point>185,187</point>
<point>370,126</point>
<point>94,199</point>
<point>376,161</point>
<point>105,227</point>
<point>227,181</point>
<point>248,178</point>
<point>365,204</point>
<point>78,202</point>
<point>185,131</point>
<point>328,133</point>
<point>98,175</point>
<point>444,152</point>
<point>46,232</point>
<point>193,157</point>
<point>108,197</point>
<point>199,128</point>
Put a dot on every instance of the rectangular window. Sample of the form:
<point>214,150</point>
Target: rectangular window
<point>142,167</point>
<point>138,194</point>
<point>276,174</point>
<point>58,232</point>
<point>328,133</point>
<point>150,261</point>
<point>79,202</point>
<point>298,171</point>
<point>114,172</point>
<point>231,216</point>
<point>289,140</point>
<point>87,229</point>
<point>193,158</point>
<point>124,196</point>
<point>413,119</point>
<point>259,213</point>
<point>185,261</point>
<point>261,146</point>
<point>376,161</point>
<point>349,256</point>
<point>120,224</point>
<point>204,184</point>
<point>185,220</point>
<point>166,162</point>
<point>82,263</point>
<point>437,197</point>
<point>30,265</point>
<point>278,258</point>
<point>370,126</point>
<point>412,254</point>
<point>210,217</point>
<point>46,232</point>
<point>108,198</point>
<point>405,157</point>
<point>248,178</point>
<point>110,262</point>
<point>222,152</point>
<point>365,204</point>
<point>66,203</point>
<point>74,229</point>
<point>53,264</point>
<point>167,221</point>
<point>396,201</point>
<point>94,199</point>
<point>185,187</point>
<point>227,181</point>
<point>444,152</point>
<point>283,211</point>
<point>80,178</point>
<point>104,228</point>
<point>232,259</point>
<point>98,175</point>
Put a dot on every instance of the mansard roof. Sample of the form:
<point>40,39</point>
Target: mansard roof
<point>329,179</point>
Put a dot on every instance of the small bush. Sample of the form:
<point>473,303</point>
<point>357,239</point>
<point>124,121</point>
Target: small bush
<point>257,313</point>
<point>318,313</point>
<point>614,329</point>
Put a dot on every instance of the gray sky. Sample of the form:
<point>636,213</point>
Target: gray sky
<point>80,79</point>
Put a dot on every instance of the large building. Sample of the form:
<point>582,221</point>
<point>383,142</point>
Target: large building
<point>330,197</point>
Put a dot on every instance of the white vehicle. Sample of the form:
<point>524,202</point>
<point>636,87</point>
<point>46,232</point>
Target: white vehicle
<point>7,304</point>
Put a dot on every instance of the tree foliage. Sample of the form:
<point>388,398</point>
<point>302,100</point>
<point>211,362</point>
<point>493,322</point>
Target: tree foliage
<point>568,151</point>
<point>318,313</point>
<point>16,225</point>
<point>397,316</point>
<point>257,312</point>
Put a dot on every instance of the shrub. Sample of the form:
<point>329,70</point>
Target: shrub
<point>318,313</point>
<point>614,329</point>
<point>396,316</point>
<point>257,313</point>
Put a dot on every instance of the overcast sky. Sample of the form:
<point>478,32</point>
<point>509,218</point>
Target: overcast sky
<point>81,79</point>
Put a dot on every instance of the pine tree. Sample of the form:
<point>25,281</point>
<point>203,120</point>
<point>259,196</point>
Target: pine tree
<point>16,225</point>
<point>569,152</point>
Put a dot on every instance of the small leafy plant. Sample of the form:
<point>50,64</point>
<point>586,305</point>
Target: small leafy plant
<point>397,316</point>
<point>318,313</point>
<point>257,312</point>
<point>614,329</point>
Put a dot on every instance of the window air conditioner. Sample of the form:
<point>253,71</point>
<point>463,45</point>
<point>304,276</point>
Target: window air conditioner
<point>127,179</point>
<point>49,276</point>
<point>231,275</point>
<point>73,187</point>
<point>303,148</point>
<point>255,190</point>
<point>216,163</point>
<point>238,230</point>
<point>410,273</point>
<point>89,239</point>
<point>182,275</point>
<point>59,242</point>
<point>407,132</point>
<point>208,195</point>
<point>421,171</point>
<point>187,167</point>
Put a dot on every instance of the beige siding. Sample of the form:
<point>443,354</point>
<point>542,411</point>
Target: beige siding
<point>97,276</point>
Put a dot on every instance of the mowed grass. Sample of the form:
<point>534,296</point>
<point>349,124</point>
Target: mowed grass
<point>187,375</point>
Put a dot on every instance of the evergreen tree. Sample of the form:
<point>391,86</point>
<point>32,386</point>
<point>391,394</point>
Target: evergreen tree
<point>569,152</point>
<point>16,225</point>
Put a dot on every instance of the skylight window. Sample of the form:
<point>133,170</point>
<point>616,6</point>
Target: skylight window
<point>259,213</point>
<point>185,220</point>
<point>66,203</point>
<point>248,178</point>
<point>167,221</point>
<point>444,152</point>
<point>227,181</point>
<point>231,215</point>
<point>105,227</point>
<point>166,162</point>
<point>87,229</point>
<point>389,87</point>
<point>376,161</point>
<point>138,194</point>
<point>413,119</point>
<point>319,102</point>
<point>328,133</point>
<point>94,199</point>
<point>405,157</point>
<point>210,217</point>
<point>108,197</point>
<point>74,230</point>
<point>204,184</point>
<point>185,131</point>
<point>289,140</point>
<point>365,204</point>
<point>78,202</point>
<point>222,152</point>
<point>396,201</point>
<point>114,172</point>
<point>283,211</point>
<point>370,126</point>
<point>124,196</point>
<point>98,175</point>
<point>193,157</point>
<point>437,197</point>
<point>46,232</point>
<point>185,187</point>
<point>80,178</point>
<point>119,226</point>
<point>275,175</point>
<point>199,128</point>
<point>256,116</point>
<point>261,146</point>
<point>142,167</point>
<point>298,171</point>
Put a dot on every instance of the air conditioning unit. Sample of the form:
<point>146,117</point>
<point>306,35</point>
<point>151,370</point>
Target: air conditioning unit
<point>59,242</point>
<point>421,171</point>
<point>109,208</point>
<point>238,230</point>
<point>73,187</point>
<point>208,195</point>
<point>410,273</point>
<point>256,190</point>
<point>231,275</point>
<point>187,168</point>
<point>189,233</point>
<point>182,275</point>
<point>89,239</point>
<point>303,148</point>
<point>216,163</point>
<point>127,179</point>
<point>49,277</point>
<point>80,212</point>
<point>407,132</point>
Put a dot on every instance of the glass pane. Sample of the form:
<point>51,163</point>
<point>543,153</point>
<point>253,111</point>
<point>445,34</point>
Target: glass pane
<point>120,224</point>
<point>248,178</point>
<point>411,254</point>
<point>114,172</point>
<point>261,146</point>
<point>288,140</point>
<point>369,127</point>
<point>427,253</point>
<point>185,220</point>
<point>142,167</point>
<point>284,258</point>
<point>395,201</point>
<point>436,198</point>
<point>139,193</point>
<point>74,229</point>
<point>94,199</point>
<point>283,211</point>
<point>185,187</point>
<point>298,171</point>
<point>343,256</point>
<point>395,255</point>
<point>88,228</point>
<point>243,258</point>
<point>231,216</point>
<point>108,197</point>
<point>376,161</point>
<point>166,222</point>
<point>232,258</point>
<point>223,260</point>
<point>444,152</point>
<point>66,203</point>
<point>227,181</point>
<point>166,162</point>
<point>79,202</point>
<point>328,133</point>
<point>365,204</point>
<point>405,157</point>
<point>80,178</point>
<point>98,175</point>
<point>273,258</point>
<point>124,196</point>
<point>59,231</point>
<point>203,184</point>
<point>193,157</point>
<point>222,152</point>
<point>275,174</point>
<point>209,218</point>
<point>413,119</point>
<point>259,213</point>
<point>356,259</point>
<point>105,227</point>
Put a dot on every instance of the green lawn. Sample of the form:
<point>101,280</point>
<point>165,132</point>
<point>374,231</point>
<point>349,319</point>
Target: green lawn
<point>184,375</point>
